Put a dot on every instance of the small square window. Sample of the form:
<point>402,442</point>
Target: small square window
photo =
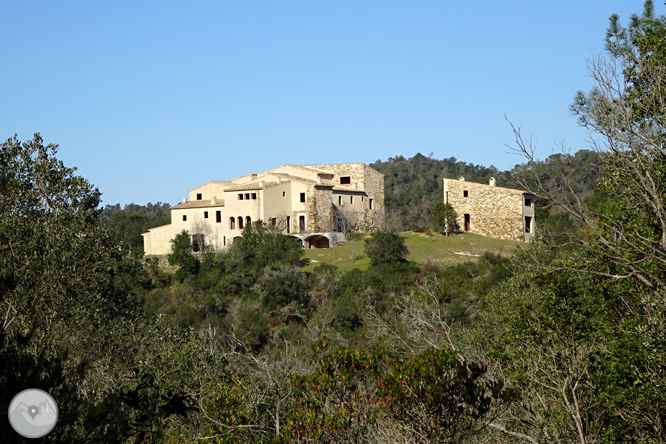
<point>247,196</point>
<point>254,196</point>
<point>184,218</point>
<point>302,197</point>
<point>345,180</point>
<point>205,214</point>
<point>240,196</point>
<point>199,196</point>
<point>465,193</point>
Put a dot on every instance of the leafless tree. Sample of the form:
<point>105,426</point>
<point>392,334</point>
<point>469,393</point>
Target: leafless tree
<point>345,220</point>
<point>633,150</point>
<point>203,234</point>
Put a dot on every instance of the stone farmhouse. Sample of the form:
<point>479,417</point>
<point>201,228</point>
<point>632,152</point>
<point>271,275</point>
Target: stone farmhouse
<point>314,203</point>
<point>492,211</point>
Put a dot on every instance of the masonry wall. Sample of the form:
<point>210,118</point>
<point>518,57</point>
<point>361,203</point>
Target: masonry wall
<point>374,187</point>
<point>158,240</point>
<point>319,213</point>
<point>363,178</point>
<point>355,170</point>
<point>493,211</point>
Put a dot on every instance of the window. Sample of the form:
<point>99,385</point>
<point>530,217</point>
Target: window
<point>370,200</point>
<point>218,216</point>
<point>248,220</point>
<point>528,224</point>
<point>199,196</point>
<point>468,223</point>
<point>528,202</point>
<point>254,196</point>
<point>232,223</point>
<point>184,218</point>
<point>288,224</point>
<point>351,199</point>
<point>345,180</point>
<point>339,200</point>
<point>197,242</point>
<point>302,197</point>
<point>240,223</point>
<point>466,193</point>
<point>224,240</point>
<point>247,196</point>
<point>205,214</point>
<point>284,194</point>
<point>301,223</point>
<point>240,196</point>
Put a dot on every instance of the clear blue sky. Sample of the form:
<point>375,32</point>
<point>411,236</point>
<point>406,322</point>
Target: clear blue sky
<point>150,99</point>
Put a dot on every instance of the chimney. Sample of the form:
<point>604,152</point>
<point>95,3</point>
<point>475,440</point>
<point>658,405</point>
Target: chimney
<point>214,199</point>
<point>184,199</point>
<point>492,182</point>
<point>261,183</point>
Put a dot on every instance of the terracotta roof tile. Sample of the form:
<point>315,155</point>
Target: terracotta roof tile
<point>198,204</point>
<point>248,186</point>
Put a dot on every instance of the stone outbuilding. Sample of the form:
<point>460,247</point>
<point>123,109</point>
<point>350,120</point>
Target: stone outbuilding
<point>316,204</point>
<point>492,211</point>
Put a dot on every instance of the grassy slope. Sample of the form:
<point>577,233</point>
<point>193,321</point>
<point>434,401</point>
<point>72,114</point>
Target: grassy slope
<point>437,250</point>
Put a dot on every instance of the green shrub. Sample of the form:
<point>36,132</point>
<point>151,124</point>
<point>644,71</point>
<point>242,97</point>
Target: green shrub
<point>284,284</point>
<point>386,247</point>
<point>347,316</point>
<point>252,328</point>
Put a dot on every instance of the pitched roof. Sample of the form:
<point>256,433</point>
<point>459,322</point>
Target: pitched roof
<point>249,186</point>
<point>303,167</point>
<point>222,182</point>
<point>198,204</point>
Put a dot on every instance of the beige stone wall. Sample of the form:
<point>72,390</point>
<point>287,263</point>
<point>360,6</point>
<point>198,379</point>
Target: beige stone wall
<point>319,212</point>
<point>234,206</point>
<point>209,191</point>
<point>374,187</point>
<point>364,179</point>
<point>356,171</point>
<point>276,201</point>
<point>158,240</point>
<point>493,211</point>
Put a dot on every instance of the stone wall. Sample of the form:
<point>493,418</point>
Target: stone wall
<point>374,187</point>
<point>355,170</point>
<point>319,213</point>
<point>363,178</point>
<point>492,211</point>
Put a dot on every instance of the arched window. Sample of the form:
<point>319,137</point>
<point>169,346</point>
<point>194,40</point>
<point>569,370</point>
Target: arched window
<point>232,223</point>
<point>240,223</point>
<point>248,220</point>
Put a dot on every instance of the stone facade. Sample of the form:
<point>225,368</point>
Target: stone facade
<point>313,203</point>
<point>491,211</point>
